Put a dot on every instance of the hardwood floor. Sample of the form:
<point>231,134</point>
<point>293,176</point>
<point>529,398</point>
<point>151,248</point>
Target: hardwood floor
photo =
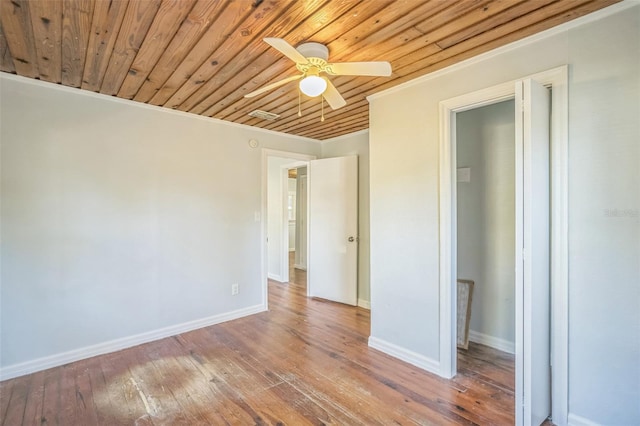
<point>304,362</point>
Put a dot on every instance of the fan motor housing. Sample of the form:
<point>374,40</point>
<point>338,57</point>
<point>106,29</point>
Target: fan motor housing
<point>313,50</point>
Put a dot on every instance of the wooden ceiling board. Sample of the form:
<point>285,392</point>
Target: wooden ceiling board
<point>105,25</point>
<point>46,22</point>
<point>16,26</point>
<point>166,23</point>
<point>252,56</point>
<point>390,51</point>
<point>432,58</point>
<point>225,23</point>
<point>135,25</point>
<point>311,116</point>
<point>76,25</point>
<point>361,44</point>
<point>6,63</point>
<point>488,17</point>
<point>191,30</point>
<point>259,56</point>
<point>203,56</point>
<point>418,48</point>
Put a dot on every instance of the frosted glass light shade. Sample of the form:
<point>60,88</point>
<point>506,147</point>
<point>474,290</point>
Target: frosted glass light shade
<point>313,85</point>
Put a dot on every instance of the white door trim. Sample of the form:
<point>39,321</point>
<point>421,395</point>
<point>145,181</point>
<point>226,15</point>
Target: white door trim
<point>557,79</point>
<point>266,153</point>
<point>448,213</point>
<point>301,243</point>
<point>284,255</point>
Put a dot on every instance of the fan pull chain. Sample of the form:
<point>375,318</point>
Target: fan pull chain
<point>321,108</point>
<point>299,110</point>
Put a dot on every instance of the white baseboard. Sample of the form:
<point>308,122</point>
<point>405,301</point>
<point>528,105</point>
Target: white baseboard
<point>405,355</point>
<point>301,267</point>
<point>274,277</point>
<point>493,342</point>
<point>574,420</point>
<point>364,304</point>
<point>27,367</point>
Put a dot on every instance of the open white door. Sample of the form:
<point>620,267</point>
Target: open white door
<point>533,370</point>
<point>332,272</point>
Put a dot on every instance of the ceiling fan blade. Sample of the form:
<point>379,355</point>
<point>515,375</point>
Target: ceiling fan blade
<point>272,86</point>
<point>381,68</point>
<point>286,49</point>
<point>333,97</point>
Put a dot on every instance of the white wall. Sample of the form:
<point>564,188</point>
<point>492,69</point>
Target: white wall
<point>119,219</point>
<point>486,220</point>
<point>357,144</point>
<point>604,200</point>
<point>604,220</point>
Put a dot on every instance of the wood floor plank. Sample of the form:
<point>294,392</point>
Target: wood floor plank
<point>6,388</point>
<point>152,384</point>
<point>204,360</point>
<point>126,405</point>
<point>104,407</point>
<point>239,383</point>
<point>35,400</point>
<point>329,360</point>
<point>67,395</point>
<point>180,385</point>
<point>304,362</point>
<point>278,366</point>
<point>51,407</point>
<point>85,409</point>
<point>14,412</point>
<point>342,372</point>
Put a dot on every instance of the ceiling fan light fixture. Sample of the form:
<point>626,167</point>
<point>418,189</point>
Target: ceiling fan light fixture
<point>311,60</point>
<point>313,85</point>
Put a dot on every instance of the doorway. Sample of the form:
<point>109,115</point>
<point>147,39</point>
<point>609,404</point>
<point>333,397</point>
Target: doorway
<point>529,185</point>
<point>295,222</point>
<point>275,223</point>
<point>332,239</point>
<point>485,155</point>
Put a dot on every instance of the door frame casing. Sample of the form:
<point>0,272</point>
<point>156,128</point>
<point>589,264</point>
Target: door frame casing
<point>266,153</point>
<point>557,79</point>
<point>284,253</point>
<point>297,263</point>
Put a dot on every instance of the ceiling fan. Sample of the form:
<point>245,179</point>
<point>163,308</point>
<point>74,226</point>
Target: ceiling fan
<point>311,60</point>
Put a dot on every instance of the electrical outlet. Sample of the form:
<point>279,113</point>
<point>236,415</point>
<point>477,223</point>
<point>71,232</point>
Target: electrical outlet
<point>234,289</point>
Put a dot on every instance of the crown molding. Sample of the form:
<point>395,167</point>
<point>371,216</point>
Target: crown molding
<point>592,17</point>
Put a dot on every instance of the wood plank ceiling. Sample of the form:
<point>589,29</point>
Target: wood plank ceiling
<point>202,56</point>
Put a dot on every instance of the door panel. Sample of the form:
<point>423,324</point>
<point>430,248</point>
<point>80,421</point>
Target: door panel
<point>533,371</point>
<point>333,229</point>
